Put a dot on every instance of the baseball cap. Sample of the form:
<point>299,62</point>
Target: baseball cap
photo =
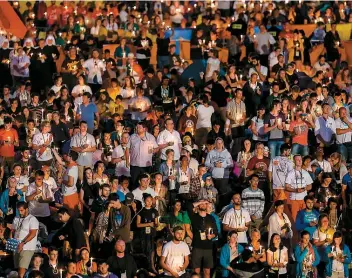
<point>129,198</point>
<point>188,148</point>
<point>205,176</point>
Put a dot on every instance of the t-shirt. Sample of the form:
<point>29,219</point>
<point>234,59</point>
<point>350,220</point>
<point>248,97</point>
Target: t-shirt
<point>163,46</point>
<point>40,139</point>
<point>22,227</point>
<point>255,163</point>
<point>274,134</point>
<point>7,149</point>
<point>175,256</point>
<point>73,172</point>
<point>237,219</point>
<point>138,193</point>
<point>298,179</point>
<point>88,113</point>
<point>200,228</point>
<point>300,130</point>
<point>204,116</point>
<point>22,181</point>
<point>280,166</point>
<point>148,215</point>
<point>214,64</point>
<point>36,208</point>
<point>79,140</point>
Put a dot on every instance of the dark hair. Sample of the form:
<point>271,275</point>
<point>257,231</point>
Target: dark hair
<point>303,233</point>
<point>278,203</point>
<point>309,197</point>
<point>271,243</point>
<point>62,210</point>
<point>22,205</point>
<point>39,173</point>
<point>253,176</point>
<point>338,234</point>
<point>73,155</point>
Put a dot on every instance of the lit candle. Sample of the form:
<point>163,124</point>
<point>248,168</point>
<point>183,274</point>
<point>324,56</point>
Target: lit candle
<point>260,249</point>
<point>66,8</point>
<point>60,273</point>
<point>42,113</point>
<point>45,14</point>
<point>332,249</point>
<point>241,77</point>
<point>91,262</point>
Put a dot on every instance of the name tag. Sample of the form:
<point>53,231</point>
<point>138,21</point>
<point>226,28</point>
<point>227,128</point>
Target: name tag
<point>236,26</point>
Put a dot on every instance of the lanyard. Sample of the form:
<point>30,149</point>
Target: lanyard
<point>301,178</point>
<point>240,218</point>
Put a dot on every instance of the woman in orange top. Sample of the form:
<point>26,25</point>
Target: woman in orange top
<point>85,266</point>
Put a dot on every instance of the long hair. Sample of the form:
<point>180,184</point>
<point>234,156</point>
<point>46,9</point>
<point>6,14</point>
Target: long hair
<point>338,234</point>
<point>271,243</point>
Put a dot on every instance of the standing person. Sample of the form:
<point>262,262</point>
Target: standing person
<point>38,196</point>
<point>122,263</point>
<point>147,221</point>
<point>174,258</point>
<point>236,113</point>
<point>163,48</point>
<point>339,257</point>
<point>299,131</point>
<point>325,130</point>
<point>279,167</point>
<point>307,219</point>
<point>41,144</point>
<point>139,152</point>
<point>72,231</point>
<point>205,230</point>
<point>9,139</point>
<point>143,188</point>
<point>253,201</point>
<point>307,257</point>
<point>143,45</point>
<point>203,126</point>
<point>94,68</point>
<point>274,125</point>
<point>277,257</point>
<point>237,219</point>
<point>219,162</point>
<point>25,229</point>
<point>69,184</point>
<point>169,138</point>
<point>298,182</point>
<point>344,134</point>
<point>87,110</point>
<point>84,144</point>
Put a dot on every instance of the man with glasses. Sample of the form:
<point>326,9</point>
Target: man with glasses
<point>140,150</point>
<point>38,197</point>
<point>84,144</point>
<point>8,141</point>
<point>41,144</point>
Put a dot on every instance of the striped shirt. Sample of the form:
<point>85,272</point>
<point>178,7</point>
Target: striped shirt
<point>253,201</point>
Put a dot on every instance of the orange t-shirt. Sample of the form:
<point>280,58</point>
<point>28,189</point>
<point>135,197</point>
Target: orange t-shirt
<point>8,150</point>
<point>300,130</point>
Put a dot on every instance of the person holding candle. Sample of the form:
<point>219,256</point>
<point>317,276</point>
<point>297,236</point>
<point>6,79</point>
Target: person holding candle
<point>139,105</point>
<point>298,182</point>
<point>338,258</point>
<point>8,140</point>
<point>237,219</point>
<point>277,257</point>
<point>307,257</point>
<point>326,189</point>
<point>52,268</point>
<point>25,229</point>
<point>204,230</point>
<point>86,266</point>
<point>230,253</point>
<point>41,144</point>
<point>21,180</point>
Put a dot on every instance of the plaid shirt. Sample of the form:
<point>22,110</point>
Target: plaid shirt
<point>194,188</point>
<point>253,201</point>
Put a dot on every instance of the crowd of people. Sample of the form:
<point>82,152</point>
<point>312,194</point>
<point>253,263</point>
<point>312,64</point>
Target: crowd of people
<point>112,166</point>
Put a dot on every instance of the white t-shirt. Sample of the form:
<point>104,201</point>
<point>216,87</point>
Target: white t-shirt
<point>22,181</point>
<point>39,139</point>
<point>214,64</point>
<point>166,136</point>
<point>84,159</point>
<point>325,128</point>
<point>298,179</point>
<point>138,193</point>
<point>342,138</point>
<point>280,166</point>
<point>175,256</point>
<point>78,89</point>
<point>324,165</point>
<point>204,116</point>
<point>264,40</point>
<point>95,68</point>
<point>120,168</point>
<point>69,190</point>
<point>39,209</point>
<point>237,219</point>
<point>280,256</point>
<point>22,227</point>
<point>51,183</point>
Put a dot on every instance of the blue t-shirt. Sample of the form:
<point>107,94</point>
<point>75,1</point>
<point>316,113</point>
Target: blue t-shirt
<point>347,180</point>
<point>88,113</point>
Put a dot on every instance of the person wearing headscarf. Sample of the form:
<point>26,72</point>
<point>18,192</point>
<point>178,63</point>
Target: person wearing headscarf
<point>51,49</point>
<point>28,47</point>
<point>5,77</point>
